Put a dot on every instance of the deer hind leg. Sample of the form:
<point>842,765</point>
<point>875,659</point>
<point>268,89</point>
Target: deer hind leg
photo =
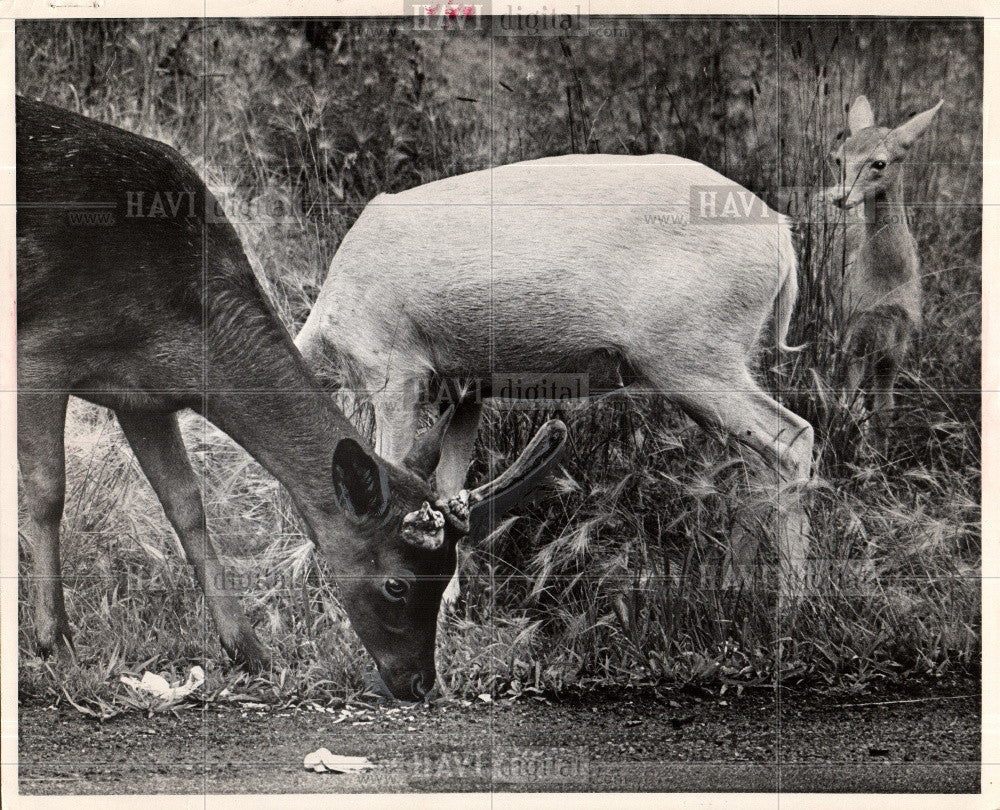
<point>41,424</point>
<point>456,455</point>
<point>156,441</point>
<point>784,440</point>
<point>876,348</point>
<point>884,372</point>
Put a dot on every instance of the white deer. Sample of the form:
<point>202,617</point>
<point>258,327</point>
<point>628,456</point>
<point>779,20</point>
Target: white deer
<point>650,271</point>
<point>880,292</point>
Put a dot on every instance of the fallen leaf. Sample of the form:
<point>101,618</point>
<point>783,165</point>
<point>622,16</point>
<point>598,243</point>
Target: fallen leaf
<point>160,687</point>
<point>322,761</point>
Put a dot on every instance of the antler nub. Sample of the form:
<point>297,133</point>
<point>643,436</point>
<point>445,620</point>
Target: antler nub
<point>456,510</point>
<point>424,528</point>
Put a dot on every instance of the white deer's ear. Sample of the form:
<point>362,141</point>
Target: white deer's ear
<point>860,115</point>
<point>904,135</point>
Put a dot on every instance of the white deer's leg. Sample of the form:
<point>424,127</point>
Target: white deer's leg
<point>453,590</point>
<point>739,559</point>
<point>784,440</point>
<point>396,410</point>
<point>456,455</point>
<point>458,447</point>
<point>349,401</point>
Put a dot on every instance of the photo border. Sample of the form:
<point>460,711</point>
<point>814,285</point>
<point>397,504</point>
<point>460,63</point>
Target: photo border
<point>990,385</point>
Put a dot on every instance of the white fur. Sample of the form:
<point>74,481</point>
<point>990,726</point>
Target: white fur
<point>546,263</point>
<point>583,264</point>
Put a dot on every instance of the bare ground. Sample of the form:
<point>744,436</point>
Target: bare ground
<point>923,740</point>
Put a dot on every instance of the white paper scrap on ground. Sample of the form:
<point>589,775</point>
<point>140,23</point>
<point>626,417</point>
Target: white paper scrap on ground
<point>322,761</point>
<point>160,687</point>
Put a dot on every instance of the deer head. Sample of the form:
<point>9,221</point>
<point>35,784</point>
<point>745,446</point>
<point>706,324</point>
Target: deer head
<point>869,159</point>
<point>402,539</point>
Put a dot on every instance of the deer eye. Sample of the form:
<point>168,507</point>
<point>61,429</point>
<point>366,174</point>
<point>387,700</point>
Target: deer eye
<point>878,165</point>
<point>395,590</point>
<point>836,162</point>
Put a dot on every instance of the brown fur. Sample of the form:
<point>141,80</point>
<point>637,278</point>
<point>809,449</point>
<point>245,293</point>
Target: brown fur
<point>148,315</point>
<point>880,290</point>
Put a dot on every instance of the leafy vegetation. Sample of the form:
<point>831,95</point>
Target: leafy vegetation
<point>616,580</point>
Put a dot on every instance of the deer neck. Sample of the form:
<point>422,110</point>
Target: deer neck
<point>260,393</point>
<point>888,245</point>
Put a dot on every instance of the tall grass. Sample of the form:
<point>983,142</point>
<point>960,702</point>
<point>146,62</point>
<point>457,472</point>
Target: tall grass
<point>613,579</point>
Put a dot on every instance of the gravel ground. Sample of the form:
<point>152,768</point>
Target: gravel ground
<point>921,741</point>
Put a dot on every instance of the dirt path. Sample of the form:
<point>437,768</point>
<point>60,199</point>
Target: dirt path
<point>928,742</point>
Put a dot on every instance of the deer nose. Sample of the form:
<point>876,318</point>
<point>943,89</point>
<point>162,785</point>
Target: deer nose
<point>416,687</point>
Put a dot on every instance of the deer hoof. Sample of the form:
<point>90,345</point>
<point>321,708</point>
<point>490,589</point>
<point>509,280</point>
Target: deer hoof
<point>246,651</point>
<point>54,636</point>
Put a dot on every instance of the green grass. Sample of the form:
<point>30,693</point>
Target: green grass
<point>613,579</point>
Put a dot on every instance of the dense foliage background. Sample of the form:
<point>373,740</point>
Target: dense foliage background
<point>300,123</point>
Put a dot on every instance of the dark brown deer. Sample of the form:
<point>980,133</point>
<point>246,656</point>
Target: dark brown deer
<point>133,293</point>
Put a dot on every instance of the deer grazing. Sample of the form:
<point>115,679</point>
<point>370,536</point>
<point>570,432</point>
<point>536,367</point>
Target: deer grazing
<point>880,293</point>
<point>148,308</point>
<point>627,270</point>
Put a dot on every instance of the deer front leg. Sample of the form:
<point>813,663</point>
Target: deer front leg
<point>853,395</point>
<point>156,441</point>
<point>41,422</point>
<point>456,455</point>
<point>884,396</point>
<point>396,409</point>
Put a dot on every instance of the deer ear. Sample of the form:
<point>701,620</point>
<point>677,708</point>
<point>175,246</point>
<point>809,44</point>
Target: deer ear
<point>425,454</point>
<point>360,484</point>
<point>904,135</point>
<point>860,115</point>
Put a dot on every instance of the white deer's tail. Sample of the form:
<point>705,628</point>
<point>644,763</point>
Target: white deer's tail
<point>788,286</point>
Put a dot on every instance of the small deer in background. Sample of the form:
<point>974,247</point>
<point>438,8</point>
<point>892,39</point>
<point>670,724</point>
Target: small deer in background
<point>880,293</point>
